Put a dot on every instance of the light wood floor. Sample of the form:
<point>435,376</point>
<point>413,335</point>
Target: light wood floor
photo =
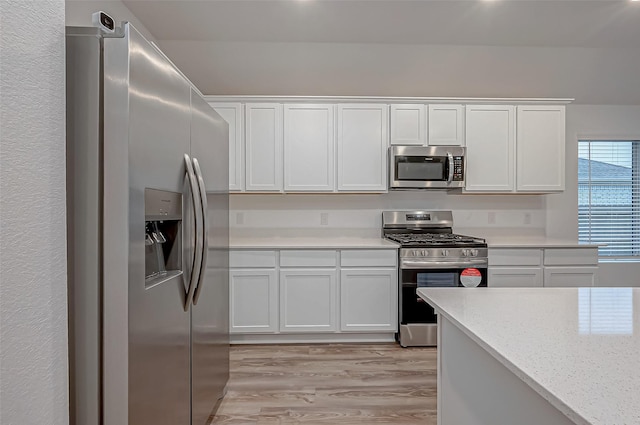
<point>330,384</point>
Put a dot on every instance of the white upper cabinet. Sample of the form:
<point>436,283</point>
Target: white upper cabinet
<point>263,160</point>
<point>363,140</point>
<point>232,114</point>
<point>490,139</point>
<point>540,149</point>
<point>309,147</point>
<point>446,125</point>
<point>408,125</point>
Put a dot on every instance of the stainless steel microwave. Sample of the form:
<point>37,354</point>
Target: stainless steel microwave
<point>426,167</point>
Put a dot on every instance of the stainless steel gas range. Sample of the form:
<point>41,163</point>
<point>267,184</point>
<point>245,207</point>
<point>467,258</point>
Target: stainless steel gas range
<point>431,255</point>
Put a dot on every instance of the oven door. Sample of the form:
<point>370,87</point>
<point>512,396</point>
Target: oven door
<point>414,309</point>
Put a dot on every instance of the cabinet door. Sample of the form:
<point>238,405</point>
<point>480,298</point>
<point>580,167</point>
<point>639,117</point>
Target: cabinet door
<point>490,139</point>
<point>263,137</point>
<point>232,114</point>
<point>570,276</point>
<point>308,299</point>
<point>309,148</point>
<point>408,125</point>
<point>514,277</point>
<point>446,125</point>
<point>540,148</point>
<point>363,140</point>
<point>253,301</point>
<point>369,299</point>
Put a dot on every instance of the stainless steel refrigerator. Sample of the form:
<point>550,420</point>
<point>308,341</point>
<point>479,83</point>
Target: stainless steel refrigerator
<point>147,173</point>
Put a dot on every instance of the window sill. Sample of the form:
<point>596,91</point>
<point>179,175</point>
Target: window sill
<point>618,260</point>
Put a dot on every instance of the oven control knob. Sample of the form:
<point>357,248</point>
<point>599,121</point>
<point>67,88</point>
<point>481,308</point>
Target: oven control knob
<point>423,253</point>
<point>465,252</point>
<point>474,252</point>
<point>445,252</point>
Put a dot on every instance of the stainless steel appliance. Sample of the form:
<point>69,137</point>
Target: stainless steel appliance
<point>147,173</point>
<point>431,255</point>
<point>426,167</point>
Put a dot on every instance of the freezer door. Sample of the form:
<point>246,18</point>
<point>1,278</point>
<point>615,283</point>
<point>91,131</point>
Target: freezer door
<point>157,134</point>
<point>210,312</point>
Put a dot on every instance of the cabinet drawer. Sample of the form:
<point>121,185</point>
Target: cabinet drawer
<point>308,258</point>
<point>569,277</point>
<point>246,259</point>
<point>515,277</point>
<point>368,258</point>
<point>515,257</point>
<point>571,257</point>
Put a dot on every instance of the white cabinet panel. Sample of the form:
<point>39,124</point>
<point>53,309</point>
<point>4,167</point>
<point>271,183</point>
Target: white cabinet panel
<point>308,258</point>
<point>570,276</point>
<point>263,137</point>
<point>369,258</point>
<point>540,149</point>
<point>309,147</point>
<point>369,299</point>
<point>514,277</point>
<point>252,258</point>
<point>519,256</point>
<point>308,299</point>
<point>363,140</point>
<point>408,124</point>
<point>253,301</point>
<point>490,140</point>
<point>232,114</point>
<point>446,125</point>
<point>571,256</point>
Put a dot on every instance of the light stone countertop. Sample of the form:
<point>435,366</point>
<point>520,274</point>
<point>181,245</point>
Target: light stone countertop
<point>577,347</point>
<point>310,242</point>
<point>534,242</point>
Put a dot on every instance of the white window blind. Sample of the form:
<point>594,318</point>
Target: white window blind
<point>609,196</point>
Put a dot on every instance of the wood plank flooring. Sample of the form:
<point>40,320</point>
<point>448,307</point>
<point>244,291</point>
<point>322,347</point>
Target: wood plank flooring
<point>341,384</point>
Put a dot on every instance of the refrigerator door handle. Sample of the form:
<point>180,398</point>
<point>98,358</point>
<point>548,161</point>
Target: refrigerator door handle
<point>205,229</point>
<point>197,210</point>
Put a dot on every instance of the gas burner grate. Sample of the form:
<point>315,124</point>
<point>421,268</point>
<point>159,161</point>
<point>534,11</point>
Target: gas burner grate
<point>433,239</point>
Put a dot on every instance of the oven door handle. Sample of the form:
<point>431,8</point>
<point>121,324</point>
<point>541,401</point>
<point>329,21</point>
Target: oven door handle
<point>409,264</point>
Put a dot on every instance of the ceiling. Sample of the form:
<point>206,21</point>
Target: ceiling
<point>587,50</point>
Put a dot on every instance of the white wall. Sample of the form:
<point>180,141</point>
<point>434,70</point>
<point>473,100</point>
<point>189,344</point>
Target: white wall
<point>33,285</point>
<point>361,213</point>
<point>419,70</point>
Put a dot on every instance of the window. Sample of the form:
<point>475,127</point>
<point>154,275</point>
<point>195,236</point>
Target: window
<point>609,196</point>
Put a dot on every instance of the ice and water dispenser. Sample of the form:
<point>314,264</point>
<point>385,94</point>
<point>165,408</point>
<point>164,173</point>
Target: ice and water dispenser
<point>163,235</point>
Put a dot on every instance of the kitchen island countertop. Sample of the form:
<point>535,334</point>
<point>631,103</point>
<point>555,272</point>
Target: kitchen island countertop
<point>578,348</point>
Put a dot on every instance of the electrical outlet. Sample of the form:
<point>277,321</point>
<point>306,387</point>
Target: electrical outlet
<point>239,218</point>
<point>491,218</point>
<point>324,219</point>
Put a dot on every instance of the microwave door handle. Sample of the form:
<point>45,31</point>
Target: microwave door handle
<point>450,160</point>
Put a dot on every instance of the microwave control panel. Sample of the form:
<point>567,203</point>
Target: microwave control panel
<point>458,168</point>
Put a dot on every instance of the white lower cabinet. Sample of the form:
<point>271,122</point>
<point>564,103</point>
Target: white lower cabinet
<point>548,267</point>
<point>320,293</point>
<point>253,301</point>
<point>515,277</point>
<point>369,299</point>
<point>570,276</point>
<point>308,299</point>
